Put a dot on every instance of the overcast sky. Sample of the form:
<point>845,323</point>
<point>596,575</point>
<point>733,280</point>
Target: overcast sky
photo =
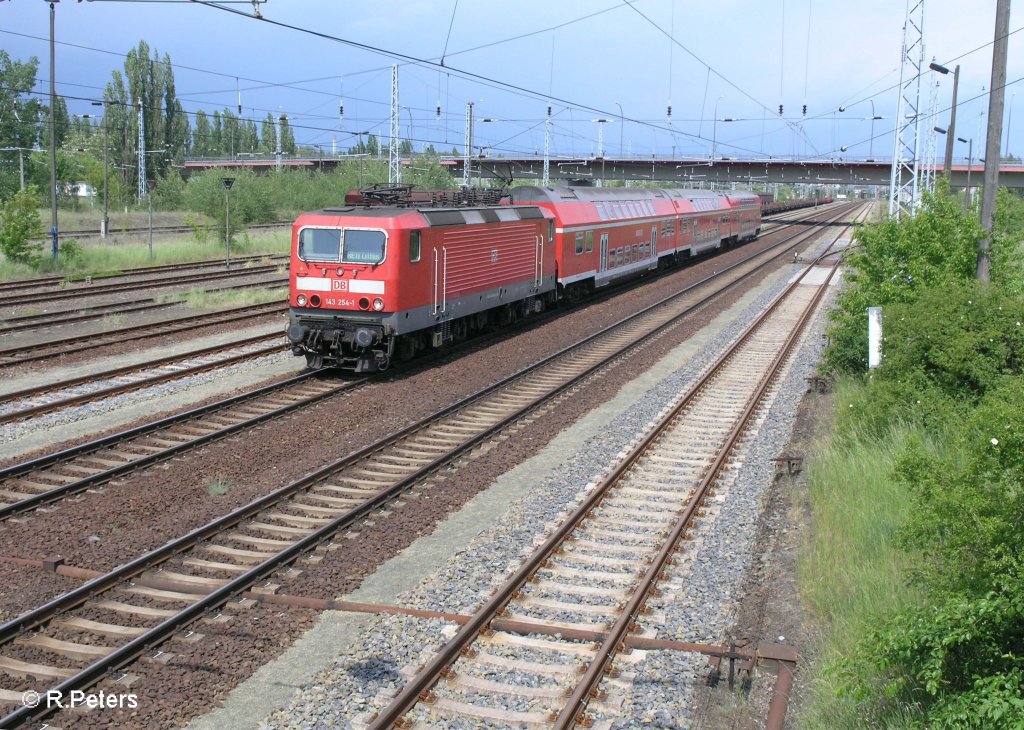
<point>619,64</point>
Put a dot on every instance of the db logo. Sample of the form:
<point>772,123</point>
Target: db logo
<point>339,285</point>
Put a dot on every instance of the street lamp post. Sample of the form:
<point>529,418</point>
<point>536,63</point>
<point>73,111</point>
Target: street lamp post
<point>105,223</point>
<point>53,137</point>
<point>228,182</point>
<point>600,147</point>
<point>871,142</point>
<point>622,126</point>
<point>714,132</point>
<point>149,196</point>
<point>948,165</point>
<point>970,161</point>
<point>1009,121</point>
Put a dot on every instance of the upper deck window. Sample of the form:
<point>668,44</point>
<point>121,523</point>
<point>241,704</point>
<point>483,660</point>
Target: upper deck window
<point>319,244</point>
<point>363,247</point>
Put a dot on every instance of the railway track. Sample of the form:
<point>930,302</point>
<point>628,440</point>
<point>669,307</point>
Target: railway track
<point>159,230</point>
<point>593,576</point>
<point>26,486</point>
<point>41,481</point>
<point>31,402</point>
<point>75,345</point>
<point>84,314</point>
<point>89,290</point>
<point>36,282</point>
<point>123,614</point>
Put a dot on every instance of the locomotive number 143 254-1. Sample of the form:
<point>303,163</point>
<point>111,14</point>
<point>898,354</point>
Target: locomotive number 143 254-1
<point>332,302</point>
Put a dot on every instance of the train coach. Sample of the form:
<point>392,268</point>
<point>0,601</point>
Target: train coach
<point>396,272</point>
<point>605,234</point>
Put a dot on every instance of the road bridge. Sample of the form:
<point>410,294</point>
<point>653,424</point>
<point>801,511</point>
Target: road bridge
<point>680,170</point>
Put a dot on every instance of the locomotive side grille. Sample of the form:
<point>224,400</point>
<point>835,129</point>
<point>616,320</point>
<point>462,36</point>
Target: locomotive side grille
<point>480,258</point>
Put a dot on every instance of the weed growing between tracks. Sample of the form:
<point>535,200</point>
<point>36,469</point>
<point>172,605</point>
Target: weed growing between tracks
<point>200,298</point>
<point>916,566</point>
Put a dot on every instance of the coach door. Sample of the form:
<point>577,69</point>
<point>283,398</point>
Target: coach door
<point>604,252</point>
<point>654,246</point>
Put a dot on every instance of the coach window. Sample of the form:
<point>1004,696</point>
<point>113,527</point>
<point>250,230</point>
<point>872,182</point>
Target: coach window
<point>590,241</point>
<point>363,247</point>
<point>415,246</point>
<point>579,243</point>
<point>320,244</point>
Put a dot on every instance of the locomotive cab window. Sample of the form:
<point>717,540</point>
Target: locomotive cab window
<point>363,247</point>
<point>415,246</point>
<point>320,244</point>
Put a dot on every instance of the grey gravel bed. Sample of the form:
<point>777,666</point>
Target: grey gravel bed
<point>360,681</point>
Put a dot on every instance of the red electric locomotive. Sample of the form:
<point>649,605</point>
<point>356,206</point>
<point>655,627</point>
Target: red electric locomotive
<point>369,283</point>
<point>373,282</point>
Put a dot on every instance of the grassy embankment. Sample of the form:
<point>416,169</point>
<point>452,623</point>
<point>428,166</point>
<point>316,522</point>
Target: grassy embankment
<point>915,567</point>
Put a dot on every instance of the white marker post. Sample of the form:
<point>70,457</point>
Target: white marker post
<point>874,337</point>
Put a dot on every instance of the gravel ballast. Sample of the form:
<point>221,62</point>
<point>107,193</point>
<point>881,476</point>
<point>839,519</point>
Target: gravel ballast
<point>386,646</point>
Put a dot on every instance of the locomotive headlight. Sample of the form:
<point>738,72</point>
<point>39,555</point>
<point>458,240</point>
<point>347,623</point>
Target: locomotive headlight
<point>301,300</point>
<point>378,304</point>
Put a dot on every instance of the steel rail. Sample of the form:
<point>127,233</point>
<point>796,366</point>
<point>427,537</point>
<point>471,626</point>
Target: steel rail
<point>63,490</point>
<point>73,345</point>
<point>32,411</point>
<point>56,319</point>
<point>15,284</point>
<point>417,687</point>
<point>134,648</point>
<point>90,290</point>
<point>28,468</point>
<point>139,230</point>
<point>576,705</point>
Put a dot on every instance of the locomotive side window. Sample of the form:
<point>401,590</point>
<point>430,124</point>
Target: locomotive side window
<point>319,244</point>
<point>590,241</point>
<point>415,246</point>
<point>551,231</point>
<point>579,243</point>
<point>363,247</point>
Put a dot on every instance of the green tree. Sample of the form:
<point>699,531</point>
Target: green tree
<point>19,224</point>
<point>250,136</point>
<point>268,143</point>
<point>17,120</point>
<point>202,136</point>
<point>287,138</point>
<point>146,87</point>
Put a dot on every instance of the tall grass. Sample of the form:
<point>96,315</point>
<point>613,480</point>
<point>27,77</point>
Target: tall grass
<point>851,574</point>
<point>100,259</point>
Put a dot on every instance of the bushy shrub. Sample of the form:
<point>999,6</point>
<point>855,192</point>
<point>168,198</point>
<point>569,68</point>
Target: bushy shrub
<point>892,263</point>
<point>19,224</point>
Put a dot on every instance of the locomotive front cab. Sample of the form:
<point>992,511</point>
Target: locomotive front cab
<point>340,298</point>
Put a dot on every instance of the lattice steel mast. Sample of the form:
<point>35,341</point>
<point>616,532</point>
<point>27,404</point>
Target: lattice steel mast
<point>903,179</point>
<point>394,158</point>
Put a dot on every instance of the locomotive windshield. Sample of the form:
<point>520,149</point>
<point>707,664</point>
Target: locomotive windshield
<point>363,247</point>
<point>319,244</point>
<point>325,244</point>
